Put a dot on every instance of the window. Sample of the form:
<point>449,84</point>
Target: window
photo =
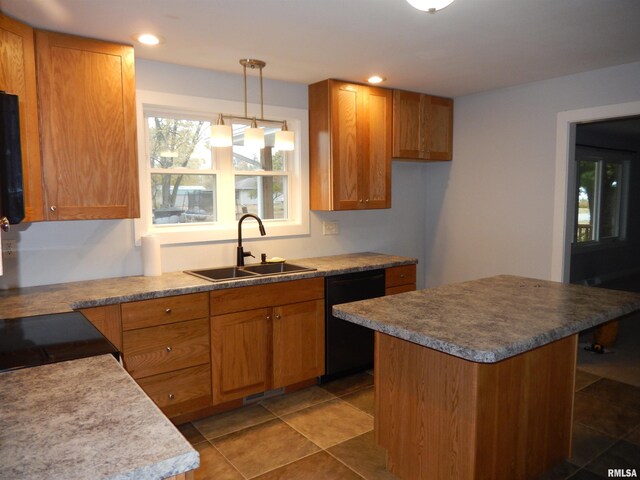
<point>601,193</point>
<point>191,192</point>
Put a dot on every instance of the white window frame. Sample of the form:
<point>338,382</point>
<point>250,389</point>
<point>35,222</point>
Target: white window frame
<point>225,228</point>
<point>600,156</point>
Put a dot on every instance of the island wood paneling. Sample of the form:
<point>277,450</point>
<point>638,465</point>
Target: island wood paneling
<point>442,417</point>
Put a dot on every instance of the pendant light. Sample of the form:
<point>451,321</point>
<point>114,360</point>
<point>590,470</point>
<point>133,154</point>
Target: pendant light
<point>431,6</point>
<point>221,134</point>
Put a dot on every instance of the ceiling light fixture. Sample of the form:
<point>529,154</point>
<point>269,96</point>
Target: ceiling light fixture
<point>148,39</point>
<point>376,79</point>
<point>222,136</point>
<point>431,6</point>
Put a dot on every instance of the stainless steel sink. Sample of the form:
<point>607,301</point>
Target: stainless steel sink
<point>222,273</point>
<point>255,270</point>
<point>275,268</point>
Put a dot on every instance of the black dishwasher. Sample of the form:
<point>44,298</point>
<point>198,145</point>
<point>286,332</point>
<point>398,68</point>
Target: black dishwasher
<point>349,347</point>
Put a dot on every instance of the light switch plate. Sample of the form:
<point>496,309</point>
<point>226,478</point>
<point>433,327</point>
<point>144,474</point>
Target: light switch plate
<point>330,228</point>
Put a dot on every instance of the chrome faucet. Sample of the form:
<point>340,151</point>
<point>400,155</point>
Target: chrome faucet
<point>241,252</point>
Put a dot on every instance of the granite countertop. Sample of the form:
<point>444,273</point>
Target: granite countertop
<point>54,423</point>
<point>65,297</point>
<point>490,319</point>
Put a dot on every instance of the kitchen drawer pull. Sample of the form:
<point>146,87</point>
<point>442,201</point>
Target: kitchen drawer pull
<point>268,317</point>
<point>167,310</point>
<point>169,348</point>
<point>402,275</point>
<point>53,208</point>
<point>171,396</point>
<point>278,317</point>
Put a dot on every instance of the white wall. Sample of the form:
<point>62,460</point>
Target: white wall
<point>54,252</point>
<point>491,210</point>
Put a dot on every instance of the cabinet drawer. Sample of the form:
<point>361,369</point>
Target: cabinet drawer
<point>402,275</point>
<point>149,351</point>
<point>180,391</point>
<point>161,311</point>
<point>400,289</point>
<point>269,295</point>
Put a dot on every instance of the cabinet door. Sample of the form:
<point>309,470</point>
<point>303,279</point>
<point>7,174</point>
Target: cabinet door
<point>346,101</point>
<point>438,115</point>
<point>86,92</point>
<point>376,162</point>
<point>240,351</point>
<point>407,126</point>
<point>298,342</point>
<point>18,77</point>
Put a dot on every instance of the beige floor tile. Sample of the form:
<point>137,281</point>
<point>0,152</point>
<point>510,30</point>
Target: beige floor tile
<point>601,415</point>
<point>345,385</point>
<point>224,423</point>
<point>329,423</point>
<point>362,399</point>
<point>616,393</point>
<point>319,466</point>
<point>297,401</point>
<point>587,444</point>
<point>191,433</point>
<point>364,456</point>
<point>584,379</point>
<point>264,447</point>
<point>213,466</point>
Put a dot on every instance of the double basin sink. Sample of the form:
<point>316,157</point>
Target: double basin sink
<point>255,270</point>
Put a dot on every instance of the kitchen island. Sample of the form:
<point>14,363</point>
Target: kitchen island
<point>86,419</point>
<point>475,380</point>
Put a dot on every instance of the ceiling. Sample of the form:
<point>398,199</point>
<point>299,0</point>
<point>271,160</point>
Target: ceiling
<point>470,46</point>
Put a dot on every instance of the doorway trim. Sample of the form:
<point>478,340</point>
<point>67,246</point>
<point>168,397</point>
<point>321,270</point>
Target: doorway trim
<point>564,198</point>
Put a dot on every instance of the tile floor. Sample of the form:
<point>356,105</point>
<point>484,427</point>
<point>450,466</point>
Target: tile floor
<point>326,432</point>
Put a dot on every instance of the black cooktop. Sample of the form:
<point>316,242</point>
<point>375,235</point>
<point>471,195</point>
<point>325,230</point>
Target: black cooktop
<point>42,339</point>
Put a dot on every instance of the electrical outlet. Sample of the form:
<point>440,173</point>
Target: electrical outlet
<point>330,228</point>
<point>9,248</point>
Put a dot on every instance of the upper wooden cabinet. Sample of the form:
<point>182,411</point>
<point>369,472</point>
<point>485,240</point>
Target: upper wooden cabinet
<point>18,77</point>
<point>422,126</point>
<point>86,90</point>
<point>349,146</point>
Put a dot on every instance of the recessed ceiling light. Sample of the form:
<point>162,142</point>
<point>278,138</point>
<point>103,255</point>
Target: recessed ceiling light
<point>431,6</point>
<point>148,39</point>
<point>376,79</point>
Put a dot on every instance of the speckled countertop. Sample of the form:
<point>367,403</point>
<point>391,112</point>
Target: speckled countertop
<point>65,297</point>
<point>55,423</point>
<point>490,319</point>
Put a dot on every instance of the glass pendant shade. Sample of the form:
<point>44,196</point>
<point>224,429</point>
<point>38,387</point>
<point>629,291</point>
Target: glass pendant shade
<point>221,136</point>
<point>284,139</point>
<point>430,6</point>
<point>254,136</point>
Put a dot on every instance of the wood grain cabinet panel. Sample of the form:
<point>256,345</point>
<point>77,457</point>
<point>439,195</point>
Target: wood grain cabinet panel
<point>180,391</point>
<point>422,126</point>
<point>154,350</point>
<point>86,90</point>
<point>107,320</point>
<point>400,279</point>
<point>275,338</point>
<point>240,346</point>
<point>350,146</point>
<point>160,311</point>
<point>18,77</point>
<point>298,342</point>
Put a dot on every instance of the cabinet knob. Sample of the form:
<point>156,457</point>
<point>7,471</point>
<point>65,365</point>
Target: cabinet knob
<point>171,396</point>
<point>360,200</point>
<point>169,348</point>
<point>268,317</point>
<point>366,201</point>
<point>53,208</point>
<point>167,310</point>
<point>402,275</point>
<point>278,317</point>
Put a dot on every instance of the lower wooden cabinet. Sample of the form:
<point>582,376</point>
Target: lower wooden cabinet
<point>400,279</point>
<point>275,345</point>
<point>166,349</point>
